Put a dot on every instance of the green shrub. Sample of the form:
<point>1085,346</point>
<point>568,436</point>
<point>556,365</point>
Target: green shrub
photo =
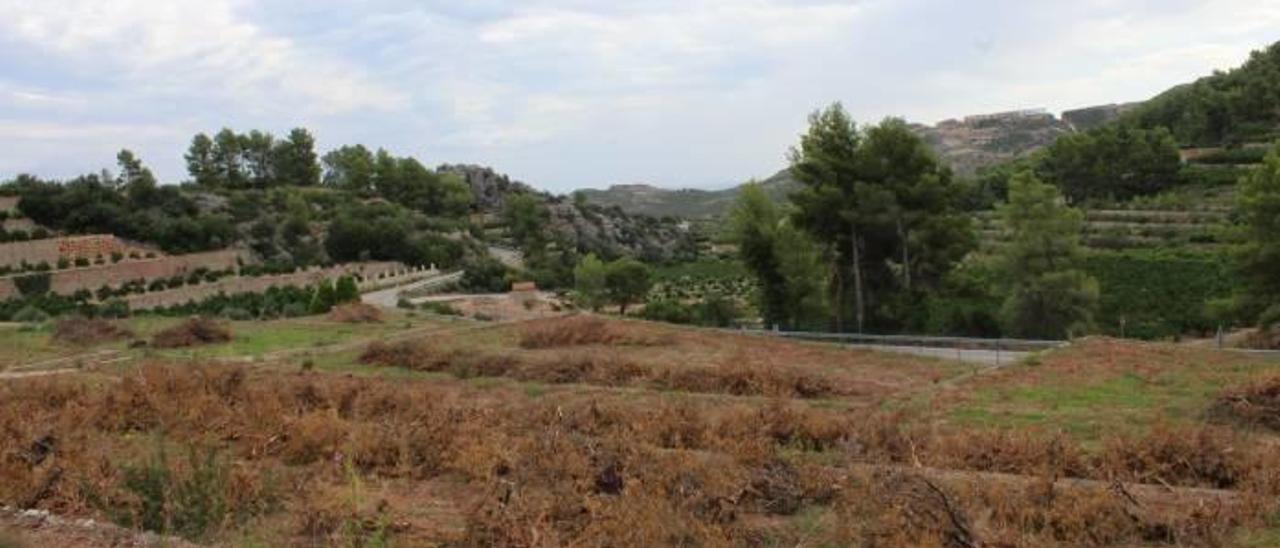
<point>192,504</point>
<point>716,311</point>
<point>30,315</point>
<point>346,290</point>
<point>33,284</point>
<point>294,310</point>
<point>667,311</point>
<point>1157,294</point>
<point>82,262</point>
<point>63,263</point>
<point>237,314</point>
<point>441,307</point>
<point>114,308</point>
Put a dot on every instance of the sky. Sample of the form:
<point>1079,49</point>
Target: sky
<point>567,94</point>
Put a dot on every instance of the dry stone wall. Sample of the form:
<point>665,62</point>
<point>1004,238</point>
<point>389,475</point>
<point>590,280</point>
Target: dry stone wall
<point>113,275</point>
<point>368,274</point>
<point>49,250</point>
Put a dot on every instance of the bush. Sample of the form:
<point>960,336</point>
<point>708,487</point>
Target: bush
<point>1254,405</point>
<point>114,308</point>
<point>484,275</point>
<point>237,314</point>
<point>716,311</point>
<point>356,313</point>
<point>1159,294</point>
<point>192,332</point>
<point>81,262</point>
<point>191,504</point>
<point>440,307</point>
<point>667,311</point>
<point>33,284</point>
<point>79,330</point>
<point>30,315</point>
<point>346,291</point>
<point>294,310</point>
<point>63,263</point>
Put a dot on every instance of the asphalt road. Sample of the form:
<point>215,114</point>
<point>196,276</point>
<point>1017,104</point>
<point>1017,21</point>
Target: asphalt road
<point>388,297</point>
<point>983,357</point>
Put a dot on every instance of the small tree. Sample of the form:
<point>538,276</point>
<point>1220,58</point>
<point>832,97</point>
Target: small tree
<point>589,282</point>
<point>1259,256</point>
<point>1050,295</point>
<point>324,298</point>
<point>346,291</point>
<point>627,281</point>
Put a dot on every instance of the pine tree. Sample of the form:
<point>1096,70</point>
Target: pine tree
<point>1050,295</point>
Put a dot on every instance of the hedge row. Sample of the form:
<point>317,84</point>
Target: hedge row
<point>1154,294</point>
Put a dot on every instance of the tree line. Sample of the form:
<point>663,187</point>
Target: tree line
<point>878,237</point>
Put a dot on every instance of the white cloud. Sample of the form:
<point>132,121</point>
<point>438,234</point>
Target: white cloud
<point>574,92</point>
<point>192,48</point>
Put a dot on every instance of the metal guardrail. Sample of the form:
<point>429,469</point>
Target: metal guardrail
<point>919,340</point>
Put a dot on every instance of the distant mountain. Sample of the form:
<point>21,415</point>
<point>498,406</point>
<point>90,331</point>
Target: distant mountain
<point>685,203</point>
<point>1224,109</point>
<point>967,145</point>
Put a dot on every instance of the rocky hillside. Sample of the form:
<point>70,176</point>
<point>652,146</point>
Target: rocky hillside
<point>967,145</point>
<point>984,140</point>
<point>596,227</point>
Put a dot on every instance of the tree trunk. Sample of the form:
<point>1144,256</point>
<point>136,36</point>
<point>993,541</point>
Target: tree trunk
<point>858,306</point>
<point>906,255</point>
<point>837,287</point>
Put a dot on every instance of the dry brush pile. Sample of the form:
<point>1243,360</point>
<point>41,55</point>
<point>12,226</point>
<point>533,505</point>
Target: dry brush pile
<point>82,331</point>
<point>192,332</point>
<point>203,450</point>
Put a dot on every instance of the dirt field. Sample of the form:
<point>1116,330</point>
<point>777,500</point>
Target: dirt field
<point>593,432</point>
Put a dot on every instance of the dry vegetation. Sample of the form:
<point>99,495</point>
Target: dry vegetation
<point>213,452</point>
<point>192,332</point>
<point>579,331</point>
<point>82,331</point>
<point>1254,404</point>
<point>356,313</point>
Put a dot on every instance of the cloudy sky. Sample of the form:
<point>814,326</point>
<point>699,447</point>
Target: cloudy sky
<point>572,93</point>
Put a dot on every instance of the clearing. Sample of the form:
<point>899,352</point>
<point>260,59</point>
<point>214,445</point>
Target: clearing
<point>594,431</point>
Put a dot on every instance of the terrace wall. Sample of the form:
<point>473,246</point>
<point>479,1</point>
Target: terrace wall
<point>91,278</point>
<point>369,274</point>
<point>49,250</point>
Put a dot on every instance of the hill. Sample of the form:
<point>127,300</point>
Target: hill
<point>1237,106</point>
<point>686,203</point>
<point>967,145</point>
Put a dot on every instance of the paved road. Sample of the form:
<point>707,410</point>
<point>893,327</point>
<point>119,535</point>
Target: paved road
<point>388,298</point>
<point>983,357</point>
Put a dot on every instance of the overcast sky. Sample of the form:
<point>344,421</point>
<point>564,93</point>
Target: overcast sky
<point>572,93</point>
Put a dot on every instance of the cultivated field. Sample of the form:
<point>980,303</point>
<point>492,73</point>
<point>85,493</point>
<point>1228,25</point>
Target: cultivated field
<point>588,431</point>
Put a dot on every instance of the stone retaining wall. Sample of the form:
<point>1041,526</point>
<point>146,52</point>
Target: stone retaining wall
<point>91,278</point>
<point>368,274</point>
<point>49,250</point>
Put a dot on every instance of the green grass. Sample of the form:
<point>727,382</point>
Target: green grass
<point>1092,406</point>
<point>254,339</point>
